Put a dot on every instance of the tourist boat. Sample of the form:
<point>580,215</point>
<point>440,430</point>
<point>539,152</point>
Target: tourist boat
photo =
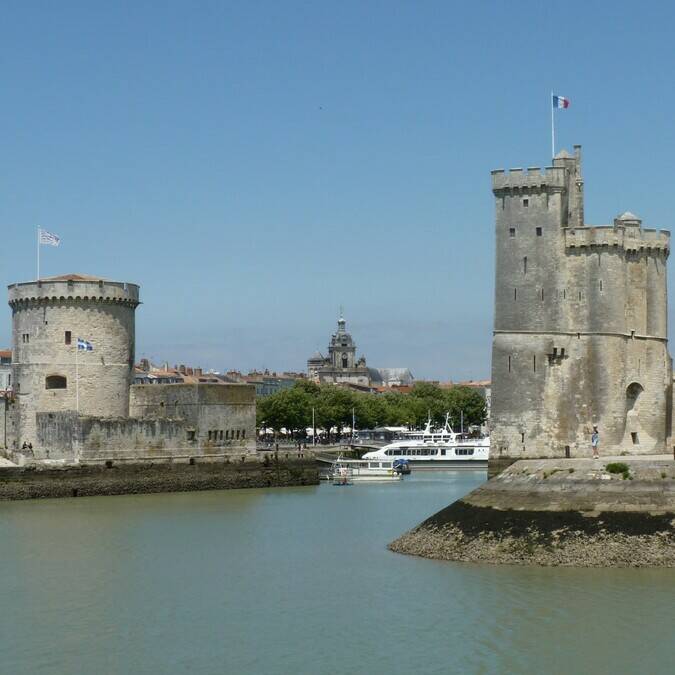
<point>436,449</point>
<point>348,471</point>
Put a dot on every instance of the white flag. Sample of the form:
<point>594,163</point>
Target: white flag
<point>48,238</point>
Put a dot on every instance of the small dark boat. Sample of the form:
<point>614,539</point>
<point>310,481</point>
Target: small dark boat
<point>401,466</point>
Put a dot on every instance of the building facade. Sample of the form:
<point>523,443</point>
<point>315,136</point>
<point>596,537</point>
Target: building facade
<point>342,367</point>
<point>341,364</point>
<point>580,329</point>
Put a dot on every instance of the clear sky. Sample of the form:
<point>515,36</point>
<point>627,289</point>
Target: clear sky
<point>254,165</point>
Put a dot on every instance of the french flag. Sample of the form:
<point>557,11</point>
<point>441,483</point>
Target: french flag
<point>561,102</point>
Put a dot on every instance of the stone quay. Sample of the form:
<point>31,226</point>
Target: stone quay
<point>40,481</point>
<point>559,512</point>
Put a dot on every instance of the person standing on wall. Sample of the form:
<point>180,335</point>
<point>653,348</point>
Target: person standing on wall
<point>595,441</point>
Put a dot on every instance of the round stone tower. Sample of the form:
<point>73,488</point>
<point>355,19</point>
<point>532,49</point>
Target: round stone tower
<point>51,374</point>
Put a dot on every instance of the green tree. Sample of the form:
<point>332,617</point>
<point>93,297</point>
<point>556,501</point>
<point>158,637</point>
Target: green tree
<point>289,409</point>
<point>334,408</point>
<point>428,399</point>
<point>468,401</point>
<point>371,411</point>
<point>309,387</point>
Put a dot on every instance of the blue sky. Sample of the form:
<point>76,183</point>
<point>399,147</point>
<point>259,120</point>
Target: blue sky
<point>255,165</point>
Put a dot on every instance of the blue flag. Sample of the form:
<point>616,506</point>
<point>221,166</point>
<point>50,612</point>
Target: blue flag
<point>85,346</point>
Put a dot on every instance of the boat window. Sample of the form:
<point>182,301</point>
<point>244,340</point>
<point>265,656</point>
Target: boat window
<point>464,451</point>
<point>443,452</point>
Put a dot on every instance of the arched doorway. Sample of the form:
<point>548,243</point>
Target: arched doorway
<point>633,392</point>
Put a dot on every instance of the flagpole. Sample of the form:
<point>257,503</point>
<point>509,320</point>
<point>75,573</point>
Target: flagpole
<point>77,379</point>
<point>552,127</point>
<point>38,254</point>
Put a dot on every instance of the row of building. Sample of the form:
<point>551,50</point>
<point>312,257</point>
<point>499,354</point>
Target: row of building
<point>266,383</point>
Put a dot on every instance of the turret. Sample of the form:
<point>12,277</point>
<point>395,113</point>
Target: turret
<point>49,317</point>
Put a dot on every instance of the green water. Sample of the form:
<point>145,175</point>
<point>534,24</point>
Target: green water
<point>299,580</point>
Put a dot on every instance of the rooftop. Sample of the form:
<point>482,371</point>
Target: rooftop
<point>627,215</point>
<point>73,277</point>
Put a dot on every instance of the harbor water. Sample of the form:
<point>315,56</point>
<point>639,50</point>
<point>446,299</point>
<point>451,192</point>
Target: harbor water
<point>299,580</point>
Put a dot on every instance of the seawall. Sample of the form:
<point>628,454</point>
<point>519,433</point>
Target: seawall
<point>572,513</point>
<point>38,482</point>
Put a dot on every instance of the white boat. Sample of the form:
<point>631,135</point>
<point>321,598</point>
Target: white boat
<point>440,449</point>
<point>348,471</point>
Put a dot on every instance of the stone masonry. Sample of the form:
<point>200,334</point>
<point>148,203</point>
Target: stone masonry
<point>50,375</point>
<point>580,330</point>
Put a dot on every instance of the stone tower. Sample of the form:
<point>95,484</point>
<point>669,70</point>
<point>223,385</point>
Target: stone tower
<point>48,317</point>
<point>580,331</point>
<point>342,349</point>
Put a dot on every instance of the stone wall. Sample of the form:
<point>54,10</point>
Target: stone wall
<point>72,437</point>
<point>89,480</point>
<point>221,415</point>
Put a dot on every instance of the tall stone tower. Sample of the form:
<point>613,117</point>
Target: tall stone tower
<point>342,349</point>
<point>580,332</point>
<point>48,317</point>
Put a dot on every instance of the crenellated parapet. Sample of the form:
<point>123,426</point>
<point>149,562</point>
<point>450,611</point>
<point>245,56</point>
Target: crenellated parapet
<point>632,239</point>
<point>524,180</point>
<point>73,289</point>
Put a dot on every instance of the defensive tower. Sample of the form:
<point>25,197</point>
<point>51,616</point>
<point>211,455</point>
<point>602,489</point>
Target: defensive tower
<point>48,317</point>
<point>580,332</point>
